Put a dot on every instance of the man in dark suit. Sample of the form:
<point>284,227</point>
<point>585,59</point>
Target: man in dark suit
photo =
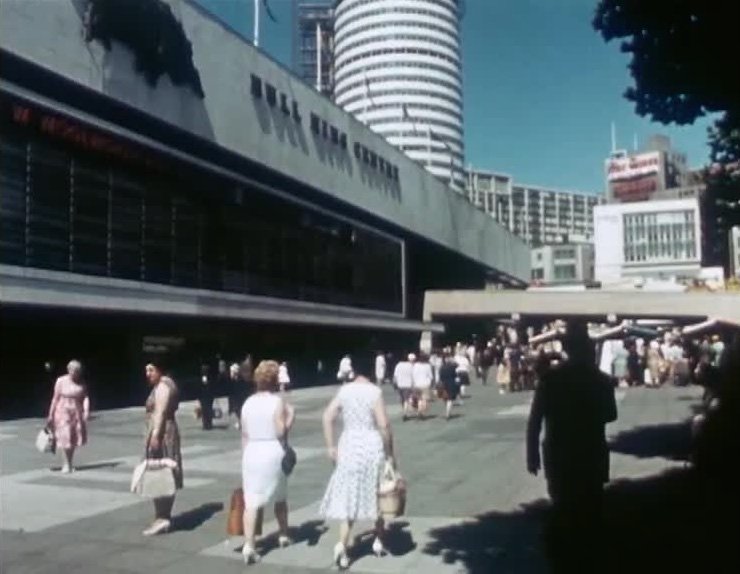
<point>575,400</point>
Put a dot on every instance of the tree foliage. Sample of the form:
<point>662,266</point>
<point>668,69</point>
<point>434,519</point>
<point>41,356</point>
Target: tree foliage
<point>684,62</point>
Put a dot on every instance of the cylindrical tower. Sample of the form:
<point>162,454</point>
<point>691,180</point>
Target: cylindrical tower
<point>398,69</point>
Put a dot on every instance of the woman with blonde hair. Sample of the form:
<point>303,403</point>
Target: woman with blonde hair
<point>162,439</point>
<point>365,443</point>
<point>266,419</point>
<point>68,413</point>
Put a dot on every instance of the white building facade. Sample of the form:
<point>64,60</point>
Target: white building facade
<point>649,239</point>
<point>566,263</point>
<point>539,215</point>
<point>398,69</point>
<point>734,249</point>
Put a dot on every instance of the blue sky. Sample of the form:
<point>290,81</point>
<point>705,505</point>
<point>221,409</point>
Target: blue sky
<point>541,88</point>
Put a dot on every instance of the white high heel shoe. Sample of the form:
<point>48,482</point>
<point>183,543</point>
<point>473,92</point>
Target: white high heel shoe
<point>249,555</point>
<point>340,556</point>
<point>378,548</point>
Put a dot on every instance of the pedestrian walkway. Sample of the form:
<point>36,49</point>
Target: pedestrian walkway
<point>89,522</point>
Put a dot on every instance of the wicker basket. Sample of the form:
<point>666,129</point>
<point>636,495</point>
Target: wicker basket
<point>391,494</point>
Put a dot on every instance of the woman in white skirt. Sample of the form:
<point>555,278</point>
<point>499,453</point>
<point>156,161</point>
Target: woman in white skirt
<point>366,441</point>
<point>265,421</point>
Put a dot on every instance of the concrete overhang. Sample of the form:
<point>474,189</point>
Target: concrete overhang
<point>592,304</point>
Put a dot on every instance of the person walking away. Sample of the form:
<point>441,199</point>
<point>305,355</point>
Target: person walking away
<point>653,363</point>
<point>619,365</point>
<point>503,375</point>
<point>575,401</point>
<point>380,368</point>
<point>463,370</point>
<point>205,397</point>
<point>449,381</point>
<point>364,445</point>
<point>345,372</point>
<point>486,362</point>
<point>162,439</point>
<point>283,377</point>
<point>403,379</point>
<point>266,419</point>
<point>237,392</point>
<point>635,374</point>
<point>423,378</point>
<point>69,412</point>
<point>435,360</point>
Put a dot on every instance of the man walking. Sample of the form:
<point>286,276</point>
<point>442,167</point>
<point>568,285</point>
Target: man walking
<point>403,378</point>
<point>576,401</point>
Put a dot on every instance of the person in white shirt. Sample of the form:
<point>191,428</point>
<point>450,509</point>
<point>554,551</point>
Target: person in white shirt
<point>463,371</point>
<point>345,372</point>
<point>423,377</point>
<point>283,377</point>
<point>435,360</point>
<point>380,368</point>
<point>403,378</point>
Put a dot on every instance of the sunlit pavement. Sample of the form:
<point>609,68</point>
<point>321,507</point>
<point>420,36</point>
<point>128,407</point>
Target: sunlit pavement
<point>457,469</point>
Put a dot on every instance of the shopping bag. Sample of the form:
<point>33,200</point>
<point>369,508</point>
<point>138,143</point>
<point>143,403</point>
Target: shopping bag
<point>45,441</point>
<point>154,478</point>
<point>391,493</point>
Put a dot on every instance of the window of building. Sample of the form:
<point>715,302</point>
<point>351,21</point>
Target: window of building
<point>256,86</point>
<point>564,253</point>
<point>565,272</point>
<point>538,274</point>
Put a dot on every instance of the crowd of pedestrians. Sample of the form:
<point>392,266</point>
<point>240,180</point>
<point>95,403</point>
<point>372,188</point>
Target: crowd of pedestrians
<point>576,459</point>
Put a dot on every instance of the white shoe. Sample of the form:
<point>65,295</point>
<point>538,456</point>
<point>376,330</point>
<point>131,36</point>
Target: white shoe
<point>157,527</point>
<point>249,555</point>
<point>284,541</point>
<point>340,556</point>
<point>378,548</point>
<point>66,469</point>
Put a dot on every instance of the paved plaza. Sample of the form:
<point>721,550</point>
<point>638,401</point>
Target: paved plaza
<point>472,506</point>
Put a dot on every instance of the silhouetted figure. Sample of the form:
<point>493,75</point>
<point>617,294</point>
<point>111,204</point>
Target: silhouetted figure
<point>205,396</point>
<point>576,401</point>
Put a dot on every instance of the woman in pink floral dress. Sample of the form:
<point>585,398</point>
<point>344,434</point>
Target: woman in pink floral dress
<point>68,413</point>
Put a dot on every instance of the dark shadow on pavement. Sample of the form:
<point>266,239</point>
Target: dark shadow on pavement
<point>670,440</point>
<point>398,541</point>
<point>192,519</point>
<point>97,465</point>
<point>662,523</point>
<point>309,532</point>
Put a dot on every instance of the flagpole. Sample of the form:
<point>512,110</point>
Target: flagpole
<point>257,22</point>
<point>318,56</point>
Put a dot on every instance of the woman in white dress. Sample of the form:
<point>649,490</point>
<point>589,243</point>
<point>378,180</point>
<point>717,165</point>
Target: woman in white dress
<point>265,421</point>
<point>366,441</point>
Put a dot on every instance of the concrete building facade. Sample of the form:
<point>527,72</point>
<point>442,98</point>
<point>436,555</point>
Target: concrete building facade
<point>211,198</point>
<point>563,263</point>
<point>398,68</point>
<point>537,214</point>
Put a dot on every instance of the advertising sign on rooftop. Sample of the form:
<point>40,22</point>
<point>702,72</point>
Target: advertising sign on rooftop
<point>632,166</point>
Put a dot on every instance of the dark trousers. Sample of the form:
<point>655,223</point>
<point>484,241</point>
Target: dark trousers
<point>206,408</point>
<point>575,526</point>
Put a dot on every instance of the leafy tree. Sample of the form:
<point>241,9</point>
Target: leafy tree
<point>684,62</point>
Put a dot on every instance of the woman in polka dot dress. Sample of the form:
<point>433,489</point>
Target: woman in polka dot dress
<point>366,441</point>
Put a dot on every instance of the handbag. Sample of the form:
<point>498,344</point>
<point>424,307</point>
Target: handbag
<point>391,493</point>
<point>45,441</point>
<point>235,520</point>
<point>154,478</point>
<point>289,458</point>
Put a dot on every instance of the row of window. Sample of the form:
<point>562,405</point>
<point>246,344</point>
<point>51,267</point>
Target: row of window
<point>412,67</point>
<point>402,93</point>
<point>393,51</point>
<point>414,118</point>
<point>431,83</point>
<point>388,37</point>
<point>65,209</point>
<point>343,21</point>
<point>388,28</point>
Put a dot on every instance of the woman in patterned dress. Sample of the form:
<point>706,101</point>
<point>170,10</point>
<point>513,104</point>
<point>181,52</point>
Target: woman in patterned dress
<point>162,439</point>
<point>366,441</point>
<point>68,413</point>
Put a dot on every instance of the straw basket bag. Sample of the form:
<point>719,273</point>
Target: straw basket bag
<point>391,493</point>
